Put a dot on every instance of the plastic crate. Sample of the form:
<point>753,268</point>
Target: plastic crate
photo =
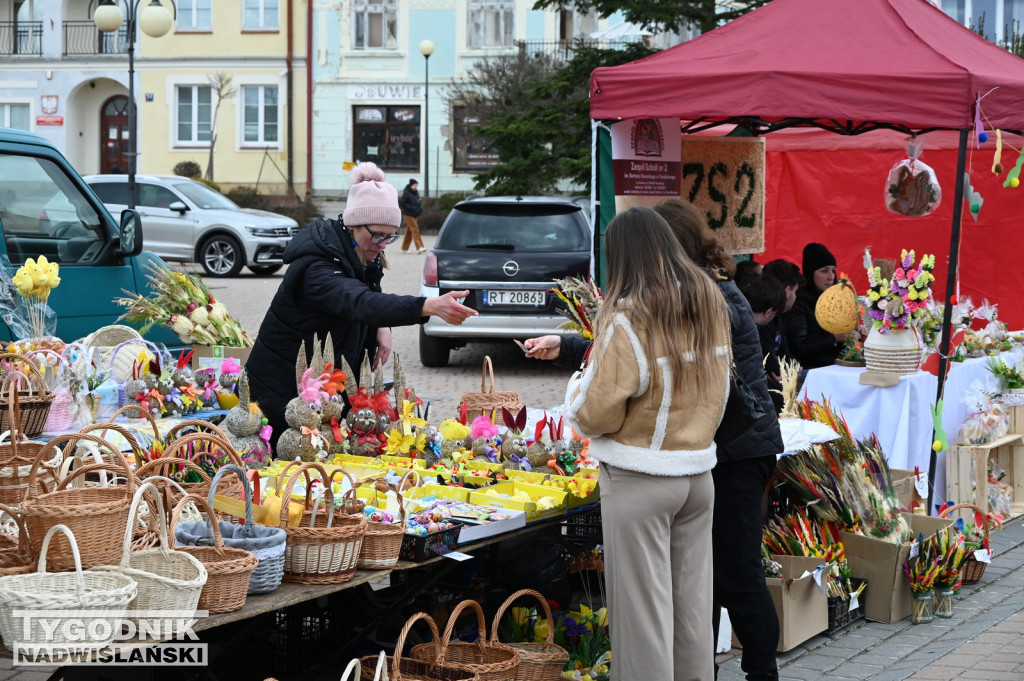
<point>302,636</point>
<point>584,527</point>
<point>420,547</point>
<point>839,615</point>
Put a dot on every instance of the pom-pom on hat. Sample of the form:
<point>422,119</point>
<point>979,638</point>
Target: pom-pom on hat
<point>371,200</point>
<point>816,256</point>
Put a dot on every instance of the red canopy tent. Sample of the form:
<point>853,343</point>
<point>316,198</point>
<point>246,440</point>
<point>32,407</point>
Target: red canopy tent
<point>848,66</point>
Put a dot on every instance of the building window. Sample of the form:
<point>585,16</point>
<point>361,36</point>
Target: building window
<point>15,116</point>
<point>260,104</point>
<point>374,23</point>
<point>260,15</point>
<point>195,114</point>
<point>387,135</point>
<point>491,23</point>
<point>194,15</point>
<point>471,153</point>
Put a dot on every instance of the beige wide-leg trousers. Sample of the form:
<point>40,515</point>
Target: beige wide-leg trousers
<point>657,534</point>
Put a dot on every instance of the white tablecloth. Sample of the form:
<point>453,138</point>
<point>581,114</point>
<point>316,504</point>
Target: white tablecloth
<point>900,416</point>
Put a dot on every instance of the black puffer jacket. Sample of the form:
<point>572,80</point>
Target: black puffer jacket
<point>810,344</point>
<point>410,202</point>
<point>763,440</point>
<point>325,289</point>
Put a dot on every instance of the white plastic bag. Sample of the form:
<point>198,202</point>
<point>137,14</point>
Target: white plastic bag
<point>912,188</point>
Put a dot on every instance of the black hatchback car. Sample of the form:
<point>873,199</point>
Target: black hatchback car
<point>507,252</point>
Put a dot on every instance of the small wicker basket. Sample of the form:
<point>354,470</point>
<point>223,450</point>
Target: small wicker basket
<point>489,400</point>
<point>228,569</point>
<point>15,552</point>
<point>973,569</point>
<point>411,669</point>
<point>489,660</point>
<point>33,397</point>
<point>16,456</point>
<point>541,661</point>
<point>382,542</point>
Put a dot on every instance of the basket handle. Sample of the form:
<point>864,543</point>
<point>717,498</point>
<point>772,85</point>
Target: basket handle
<point>14,418</point>
<point>160,465</point>
<point>165,486</point>
<point>286,493</point>
<point>160,517</point>
<point>79,579</point>
<point>118,462</point>
<point>117,348</point>
<point>486,369</point>
<point>512,599</point>
<point>989,520</point>
<point>120,430</point>
<point>202,427</point>
<point>143,412</point>
<point>391,487</point>
<point>65,468</point>
<point>400,644</point>
<point>246,493</point>
<point>212,526</point>
<point>449,628</point>
<point>211,438</point>
<point>24,550</point>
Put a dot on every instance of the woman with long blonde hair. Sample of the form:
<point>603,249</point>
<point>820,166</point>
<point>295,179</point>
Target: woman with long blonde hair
<point>650,399</point>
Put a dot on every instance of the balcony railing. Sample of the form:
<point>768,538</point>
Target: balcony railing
<point>83,38</point>
<point>564,50</point>
<point>21,38</point>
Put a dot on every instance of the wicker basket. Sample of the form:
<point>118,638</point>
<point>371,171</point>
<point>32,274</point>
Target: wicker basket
<point>488,399</point>
<point>136,411</point>
<point>15,552</point>
<point>167,579</point>
<point>16,456</point>
<point>228,569</point>
<point>57,375</point>
<point>382,542</point>
<point>33,397</point>
<point>489,660</point>
<point>95,515</point>
<point>541,661</point>
<point>323,549</point>
<point>896,352</point>
<point>973,569</point>
<point>410,669</point>
<point>41,591</point>
<point>122,364</point>
<point>266,543</point>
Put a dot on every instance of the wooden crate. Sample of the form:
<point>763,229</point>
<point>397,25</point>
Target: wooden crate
<point>968,463</point>
<point>1016,421</point>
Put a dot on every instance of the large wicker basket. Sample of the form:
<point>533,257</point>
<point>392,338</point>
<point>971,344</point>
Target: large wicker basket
<point>540,661</point>
<point>33,397</point>
<point>228,569</point>
<point>489,660</point>
<point>411,669</point>
<point>105,594</point>
<point>382,542</point>
<point>16,456</point>
<point>324,548</point>
<point>168,580</point>
<point>95,515</point>
<point>973,569</point>
<point>15,551</point>
<point>895,352</point>
<point>489,400</point>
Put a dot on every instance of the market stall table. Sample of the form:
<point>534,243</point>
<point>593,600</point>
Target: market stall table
<point>900,416</point>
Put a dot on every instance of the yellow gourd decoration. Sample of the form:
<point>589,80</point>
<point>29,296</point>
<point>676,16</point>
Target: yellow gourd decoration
<point>836,310</point>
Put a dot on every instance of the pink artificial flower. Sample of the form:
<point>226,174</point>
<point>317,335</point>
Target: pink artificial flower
<point>899,273</point>
<point>912,275</point>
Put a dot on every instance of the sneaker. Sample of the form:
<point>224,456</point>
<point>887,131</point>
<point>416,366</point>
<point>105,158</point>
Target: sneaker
<point>421,250</point>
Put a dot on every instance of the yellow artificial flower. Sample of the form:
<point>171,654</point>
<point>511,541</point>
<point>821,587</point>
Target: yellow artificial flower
<point>398,443</point>
<point>407,409</point>
<point>522,616</point>
<point>540,631</point>
<point>602,617</point>
<point>922,294</point>
<point>912,294</point>
<point>873,295</point>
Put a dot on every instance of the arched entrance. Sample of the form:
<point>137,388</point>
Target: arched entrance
<point>114,135</point>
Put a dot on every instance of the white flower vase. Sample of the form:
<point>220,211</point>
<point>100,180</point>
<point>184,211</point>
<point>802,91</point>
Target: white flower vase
<point>893,352</point>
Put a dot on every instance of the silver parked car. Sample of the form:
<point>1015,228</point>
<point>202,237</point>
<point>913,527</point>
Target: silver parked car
<point>187,221</point>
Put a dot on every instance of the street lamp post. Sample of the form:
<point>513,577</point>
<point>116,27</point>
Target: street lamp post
<point>155,21</point>
<point>426,49</point>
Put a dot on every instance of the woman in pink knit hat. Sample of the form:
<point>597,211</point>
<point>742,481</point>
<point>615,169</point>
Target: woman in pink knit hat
<point>332,285</point>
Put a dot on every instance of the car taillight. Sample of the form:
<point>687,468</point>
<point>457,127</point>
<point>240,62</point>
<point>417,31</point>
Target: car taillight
<point>430,270</point>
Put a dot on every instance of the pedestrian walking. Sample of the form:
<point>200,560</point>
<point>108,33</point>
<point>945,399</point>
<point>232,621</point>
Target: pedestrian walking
<point>411,210</point>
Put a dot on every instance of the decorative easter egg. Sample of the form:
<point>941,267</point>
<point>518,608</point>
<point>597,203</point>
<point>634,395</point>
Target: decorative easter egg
<point>836,310</point>
<point>369,509</point>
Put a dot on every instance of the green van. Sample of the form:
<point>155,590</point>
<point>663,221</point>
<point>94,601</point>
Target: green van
<point>46,209</point>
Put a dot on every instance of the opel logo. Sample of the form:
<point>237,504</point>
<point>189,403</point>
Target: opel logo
<point>511,268</point>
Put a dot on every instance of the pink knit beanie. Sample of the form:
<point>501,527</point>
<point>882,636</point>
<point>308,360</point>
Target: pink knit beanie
<point>371,200</point>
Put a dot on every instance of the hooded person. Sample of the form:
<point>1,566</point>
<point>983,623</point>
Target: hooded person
<point>810,344</point>
<point>332,285</point>
<point>411,209</point>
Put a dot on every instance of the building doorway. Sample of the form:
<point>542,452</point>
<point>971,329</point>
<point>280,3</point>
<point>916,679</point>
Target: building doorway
<point>114,135</point>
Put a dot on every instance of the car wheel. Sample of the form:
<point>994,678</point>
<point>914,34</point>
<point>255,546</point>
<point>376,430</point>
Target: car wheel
<point>221,256</point>
<point>264,270</point>
<point>433,351</point>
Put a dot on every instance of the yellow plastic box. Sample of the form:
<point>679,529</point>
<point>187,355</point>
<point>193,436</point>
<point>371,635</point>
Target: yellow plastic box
<point>492,496</point>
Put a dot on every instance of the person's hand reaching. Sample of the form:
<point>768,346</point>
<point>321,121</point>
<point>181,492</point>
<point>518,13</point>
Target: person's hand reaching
<point>448,307</point>
<point>543,347</point>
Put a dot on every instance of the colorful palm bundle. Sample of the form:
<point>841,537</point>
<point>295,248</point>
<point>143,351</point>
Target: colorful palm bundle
<point>798,535</point>
<point>182,302</point>
<point>581,299</point>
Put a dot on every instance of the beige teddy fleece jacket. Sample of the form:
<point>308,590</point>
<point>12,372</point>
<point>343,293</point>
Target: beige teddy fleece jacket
<point>632,414</point>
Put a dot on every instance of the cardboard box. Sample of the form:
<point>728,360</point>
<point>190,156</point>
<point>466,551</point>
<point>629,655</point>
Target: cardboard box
<point>211,356</point>
<point>881,563</point>
<point>905,485</point>
<point>802,609</point>
<point>967,473</point>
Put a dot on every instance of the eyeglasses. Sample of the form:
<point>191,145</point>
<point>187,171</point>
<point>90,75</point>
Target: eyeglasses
<point>376,238</point>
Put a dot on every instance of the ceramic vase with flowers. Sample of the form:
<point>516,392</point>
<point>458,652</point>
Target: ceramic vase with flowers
<point>893,345</point>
